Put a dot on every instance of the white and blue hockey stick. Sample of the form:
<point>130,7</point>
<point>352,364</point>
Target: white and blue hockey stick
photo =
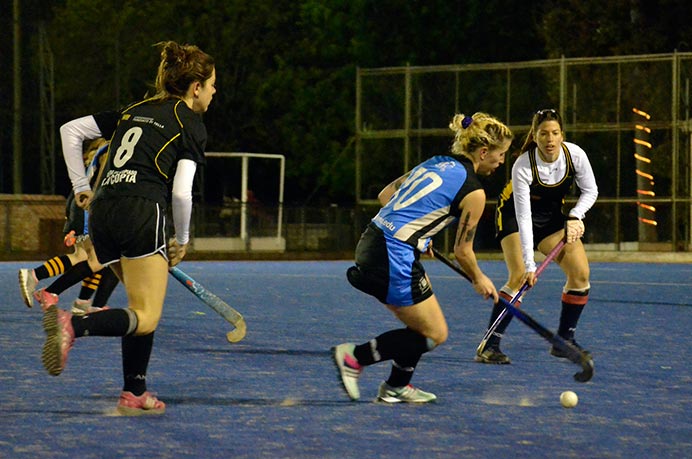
<point>217,304</point>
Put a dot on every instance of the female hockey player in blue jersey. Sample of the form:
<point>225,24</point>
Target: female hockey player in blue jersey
<point>416,206</point>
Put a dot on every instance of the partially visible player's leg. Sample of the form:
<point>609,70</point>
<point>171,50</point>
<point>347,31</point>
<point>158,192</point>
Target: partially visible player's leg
<point>77,273</point>
<point>145,281</point>
<point>404,346</point>
<point>135,400</point>
<point>426,328</point>
<point>48,295</point>
<point>490,352</point>
<point>82,305</point>
<point>29,278</point>
<point>108,283</point>
<point>575,293</point>
<point>390,271</point>
<point>62,328</point>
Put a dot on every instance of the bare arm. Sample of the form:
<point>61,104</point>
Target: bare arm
<point>471,210</point>
<point>387,192</point>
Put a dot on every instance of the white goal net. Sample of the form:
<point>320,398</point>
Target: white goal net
<point>250,213</point>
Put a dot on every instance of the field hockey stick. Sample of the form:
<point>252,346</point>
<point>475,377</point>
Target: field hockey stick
<point>572,353</point>
<point>553,253</point>
<point>217,304</point>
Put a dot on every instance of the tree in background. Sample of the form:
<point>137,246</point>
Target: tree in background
<point>576,28</point>
<point>287,68</point>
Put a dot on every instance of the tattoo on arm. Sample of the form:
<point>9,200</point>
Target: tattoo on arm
<point>465,232</point>
<point>470,234</point>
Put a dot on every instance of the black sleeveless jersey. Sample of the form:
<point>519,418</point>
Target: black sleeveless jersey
<point>148,141</point>
<point>546,200</point>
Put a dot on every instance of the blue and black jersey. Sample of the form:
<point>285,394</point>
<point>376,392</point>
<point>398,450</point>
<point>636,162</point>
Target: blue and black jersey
<point>428,201</point>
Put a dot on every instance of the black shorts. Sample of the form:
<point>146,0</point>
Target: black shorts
<point>389,270</point>
<point>127,227</point>
<point>541,229</point>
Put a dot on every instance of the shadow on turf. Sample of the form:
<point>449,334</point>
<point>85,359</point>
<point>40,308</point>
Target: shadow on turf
<point>239,350</point>
<point>286,402</point>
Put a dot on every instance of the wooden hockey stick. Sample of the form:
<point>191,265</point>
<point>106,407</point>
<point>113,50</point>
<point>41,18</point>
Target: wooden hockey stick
<point>217,304</point>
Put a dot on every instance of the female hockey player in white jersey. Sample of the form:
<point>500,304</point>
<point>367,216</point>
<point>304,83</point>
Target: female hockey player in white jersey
<point>530,216</point>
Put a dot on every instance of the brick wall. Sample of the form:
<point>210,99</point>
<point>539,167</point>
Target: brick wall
<point>31,225</point>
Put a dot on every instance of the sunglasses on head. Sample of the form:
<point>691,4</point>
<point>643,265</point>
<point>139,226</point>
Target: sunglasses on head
<point>547,111</point>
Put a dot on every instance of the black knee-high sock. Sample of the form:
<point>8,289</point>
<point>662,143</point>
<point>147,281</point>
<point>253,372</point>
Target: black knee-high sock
<point>394,344</point>
<point>89,286</point>
<point>71,277</point>
<point>108,283</point>
<point>53,267</point>
<point>573,302</point>
<point>111,322</point>
<point>136,351</point>
<point>402,370</point>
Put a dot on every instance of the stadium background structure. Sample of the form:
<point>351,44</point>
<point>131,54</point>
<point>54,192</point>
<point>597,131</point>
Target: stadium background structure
<point>401,116</point>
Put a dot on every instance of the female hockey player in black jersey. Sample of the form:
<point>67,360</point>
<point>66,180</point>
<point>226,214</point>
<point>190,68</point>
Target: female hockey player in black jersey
<point>156,146</point>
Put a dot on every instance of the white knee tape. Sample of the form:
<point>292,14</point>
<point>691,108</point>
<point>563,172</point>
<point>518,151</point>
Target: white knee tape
<point>585,289</point>
<point>431,344</point>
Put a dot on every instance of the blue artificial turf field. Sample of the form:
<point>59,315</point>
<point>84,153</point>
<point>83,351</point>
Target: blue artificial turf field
<point>276,394</point>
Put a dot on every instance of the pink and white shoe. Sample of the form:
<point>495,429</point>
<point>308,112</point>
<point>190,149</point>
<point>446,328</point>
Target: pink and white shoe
<point>349,368</point>
<point>59,339</point>
<point>134,405</point>
<point>45,299</point>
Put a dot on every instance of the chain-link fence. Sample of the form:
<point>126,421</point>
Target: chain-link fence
<point>630,113</point>
<point>330,229</point>
<point>402,117</point>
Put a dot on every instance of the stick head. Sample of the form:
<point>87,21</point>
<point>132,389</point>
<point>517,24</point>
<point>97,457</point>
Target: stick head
<point>237,334</point>
<point>587,369</point>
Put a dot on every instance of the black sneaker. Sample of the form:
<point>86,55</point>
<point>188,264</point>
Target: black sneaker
<point>559,353</point>
<point>492,354</point>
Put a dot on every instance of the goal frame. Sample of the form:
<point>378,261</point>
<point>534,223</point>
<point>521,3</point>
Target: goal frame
<point>244,242</point>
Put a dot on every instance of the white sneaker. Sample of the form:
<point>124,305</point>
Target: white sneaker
<point>27,285</point>
<point>408,394</point>
<point>83,307</point>
<point>349,369</point>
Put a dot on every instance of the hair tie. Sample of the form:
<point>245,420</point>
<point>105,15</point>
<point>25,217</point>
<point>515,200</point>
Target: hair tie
<point>466,122</point>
